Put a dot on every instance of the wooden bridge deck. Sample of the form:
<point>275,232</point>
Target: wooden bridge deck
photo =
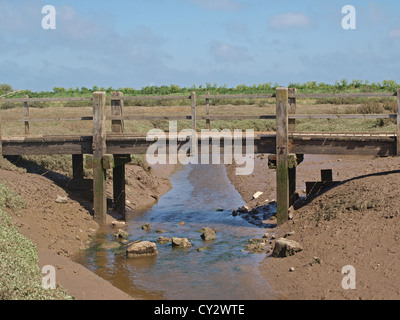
<point>378,144</point>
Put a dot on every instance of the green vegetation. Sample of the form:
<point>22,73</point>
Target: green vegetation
<point>308,87</point>
<point>20,276</point>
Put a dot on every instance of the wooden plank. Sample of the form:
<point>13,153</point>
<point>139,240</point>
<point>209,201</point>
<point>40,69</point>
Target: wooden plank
<point>208,121</point>
<point>343,116</point>
<point>343,145</point>
<point>29,119</point>
<point>238,96</point>
<point>398,123</point>
<point>26,115</point>
<point>193,99</point>
<point>47,99</point>
<point>345,95</point>
<point>292,109</point>
<point>117,106</point>
<point>282,152</point>
<point>292,127</point>
<point>202,117</point>
<point>99,150</point>
<point>138,98</point>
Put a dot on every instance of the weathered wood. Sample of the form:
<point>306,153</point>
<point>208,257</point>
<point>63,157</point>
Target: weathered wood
<point>238,96</point>
<point>138,98</point>
<point>29,119</point>
<point>77,166</point>
<point>47,99</point>
<point>398,123</point>
<point>346,145</point>
<point>292,127</point>
<point>193,99</point>
<point>117,112</point>
<point>282,152</point>
<point>342,116</point>
<point>99,150</point>
<point>119,167</point>
<point>345,95</point>
<point>292,109</point>
<point>208,122</point>
<point>26,115</point>
<point>203,117</point>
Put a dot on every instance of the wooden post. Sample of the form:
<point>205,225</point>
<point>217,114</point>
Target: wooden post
<point>292,108</point>
<point>208,122</point>
<point>193,98</point>
<point>99,149</point>
<point>282,179</point>
<point>26,115</point>
<point>77,166</point>
<point>398,122</point>
<point>291,128</point>
<point>117,110</point>
<point>119,166</point>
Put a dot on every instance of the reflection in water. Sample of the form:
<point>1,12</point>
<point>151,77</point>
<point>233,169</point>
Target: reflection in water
<point>202,196</point>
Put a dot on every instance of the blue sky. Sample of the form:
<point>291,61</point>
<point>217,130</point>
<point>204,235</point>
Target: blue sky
<point>191,42</point>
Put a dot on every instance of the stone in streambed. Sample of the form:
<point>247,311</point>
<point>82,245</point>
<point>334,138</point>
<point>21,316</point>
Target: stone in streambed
<point>142,249</point>
<point>163,240</point>
<point>121,234</point>
<point>208,234</point>
<point>146,227</point>
<point>285,248</point>
<point>181,242</point>
<point>110,245</point>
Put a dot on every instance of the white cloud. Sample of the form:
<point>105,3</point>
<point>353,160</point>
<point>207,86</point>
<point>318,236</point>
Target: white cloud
<point>226,53</point>
<point>289,20</point>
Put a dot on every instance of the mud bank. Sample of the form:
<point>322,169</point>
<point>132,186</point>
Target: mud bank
<point>355,223</point>
<point>61,230</point>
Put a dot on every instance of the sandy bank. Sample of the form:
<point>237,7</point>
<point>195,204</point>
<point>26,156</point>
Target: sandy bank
<point>355,223</point>
<point>61,230</point>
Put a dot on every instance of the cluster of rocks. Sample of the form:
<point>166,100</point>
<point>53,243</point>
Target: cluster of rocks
<point>141,248</point>
<point>280,248</point>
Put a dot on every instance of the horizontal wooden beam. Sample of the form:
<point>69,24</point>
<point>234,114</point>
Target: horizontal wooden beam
<point>353,144</point>
<point>46,99</point>
<point>343,116</point>
<point>14,119</point>
<point>343,95</point>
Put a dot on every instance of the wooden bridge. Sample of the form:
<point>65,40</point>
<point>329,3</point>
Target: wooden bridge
<point>111,150</point>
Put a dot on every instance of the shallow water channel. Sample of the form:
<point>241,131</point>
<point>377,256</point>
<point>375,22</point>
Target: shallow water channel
<point>201,196</point>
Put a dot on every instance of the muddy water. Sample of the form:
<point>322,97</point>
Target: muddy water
<point>202,196</point>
